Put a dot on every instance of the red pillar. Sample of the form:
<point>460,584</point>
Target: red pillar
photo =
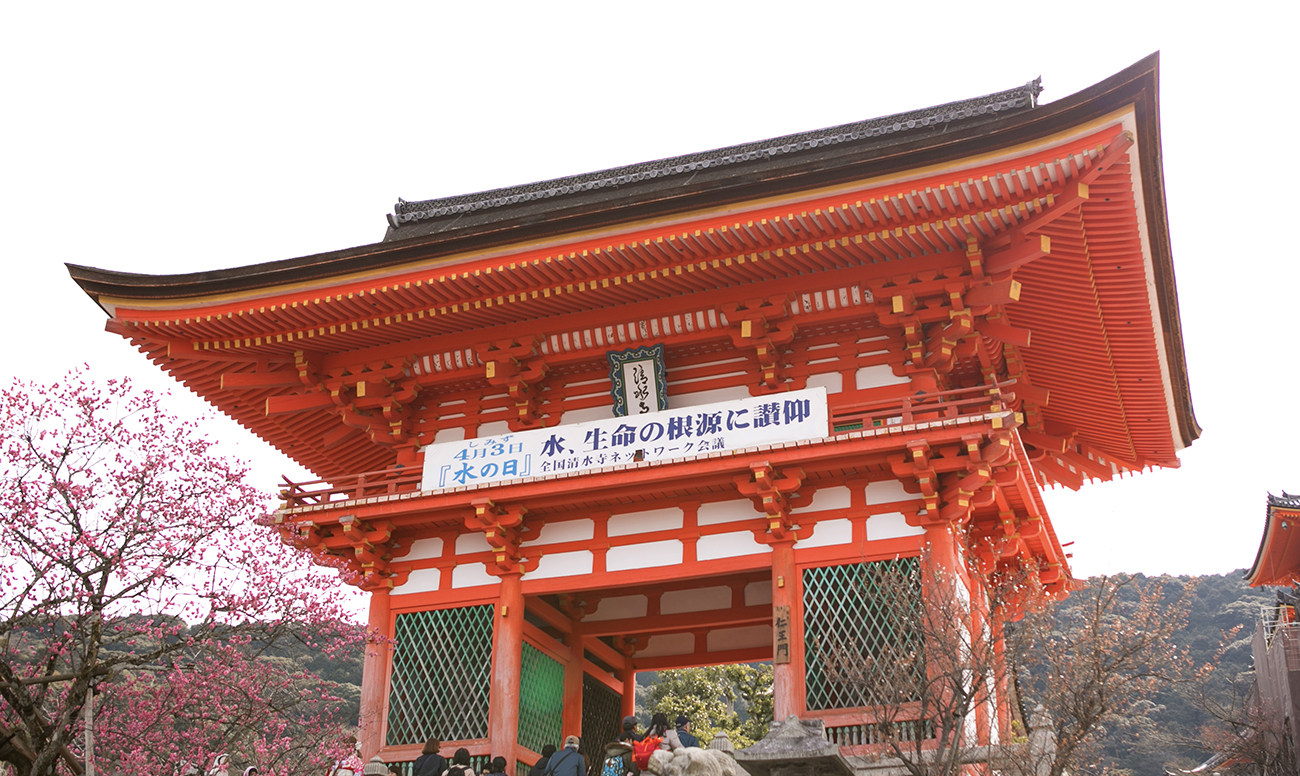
<point>572,723</point>
<point>1003,706</point>
<point>507,656</point>
<point>941,551</point>
<point>629,688</point>
<point>788,694</point>
<point>982,644</point>
<point>939,579</point>
<point>374,677</point>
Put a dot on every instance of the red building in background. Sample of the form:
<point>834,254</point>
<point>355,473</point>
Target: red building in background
<point>669,414</point>
<point>1276,644</point>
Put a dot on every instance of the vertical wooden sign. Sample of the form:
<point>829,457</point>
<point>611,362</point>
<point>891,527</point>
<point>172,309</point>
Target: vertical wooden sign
<point>780,634</point>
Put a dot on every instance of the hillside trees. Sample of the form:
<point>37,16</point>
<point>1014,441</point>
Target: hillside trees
<point>1099,663</point>
<point>131,574</point>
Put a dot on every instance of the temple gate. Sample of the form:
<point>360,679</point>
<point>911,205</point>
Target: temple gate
<point>673,414</point>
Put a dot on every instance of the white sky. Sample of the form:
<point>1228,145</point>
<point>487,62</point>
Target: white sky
<point>178,137</point>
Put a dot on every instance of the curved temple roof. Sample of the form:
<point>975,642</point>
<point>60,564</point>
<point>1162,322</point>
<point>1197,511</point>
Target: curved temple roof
<point>1278,559</point>
<point>412,218</point>
<point>702,230</point>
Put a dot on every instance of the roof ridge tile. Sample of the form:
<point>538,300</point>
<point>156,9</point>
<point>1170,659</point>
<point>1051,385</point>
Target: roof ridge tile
<point>1020,98</point>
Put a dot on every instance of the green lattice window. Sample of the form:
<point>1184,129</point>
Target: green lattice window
<point>541,700</point>
<point>861,622</point>
<point>442,669</point>
<point>601,717</point>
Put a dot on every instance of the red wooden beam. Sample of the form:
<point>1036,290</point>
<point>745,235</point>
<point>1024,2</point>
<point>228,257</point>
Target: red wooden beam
<point>1000,292</point>
<point>1029,392</point>
<point>303,402</point>
<point>1046,442</point>
<point>1011,335</point>
<point>553,617</point>
<point>1018,255</point>
<point>1087,465</point>
<point>248,380</point>
<point>743,655</point>
<point>678,623</point>
<point>1058,472</point>
<point>604,652</point>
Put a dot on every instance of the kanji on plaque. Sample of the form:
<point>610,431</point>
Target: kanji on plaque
<point>668,434</point>
<point>780,634</point>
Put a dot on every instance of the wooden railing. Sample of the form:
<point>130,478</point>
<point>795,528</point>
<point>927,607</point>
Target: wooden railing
<point>846,418</point>
<point>387,482</point>
<point>862,734</point>
<point>921,407</point>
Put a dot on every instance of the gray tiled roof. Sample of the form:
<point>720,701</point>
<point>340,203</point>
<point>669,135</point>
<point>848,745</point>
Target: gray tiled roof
<point>885,128</point>
<point>1286,501</point>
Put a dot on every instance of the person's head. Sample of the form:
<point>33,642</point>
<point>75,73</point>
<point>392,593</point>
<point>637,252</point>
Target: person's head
<point>498,765</point>
<point>659,722</point>
<point>571,742</point>
<point>548,750</point>
<point>461,757</point>
<point>683,722</point>
<point>431,746</point>
<point>394,770</point>
<point>629,724</point>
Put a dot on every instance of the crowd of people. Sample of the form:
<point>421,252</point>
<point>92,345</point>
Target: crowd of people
<point>626,755</point>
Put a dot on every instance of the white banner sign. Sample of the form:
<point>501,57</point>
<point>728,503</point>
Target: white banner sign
<point>674,433</point>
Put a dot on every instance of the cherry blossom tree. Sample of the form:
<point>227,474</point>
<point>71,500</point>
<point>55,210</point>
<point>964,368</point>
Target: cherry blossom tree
<point>132,575</point>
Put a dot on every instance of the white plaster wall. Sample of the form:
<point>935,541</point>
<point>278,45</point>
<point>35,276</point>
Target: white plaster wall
<point>758,593</point>
<point>472,575</point>
<point>890,525</point>
<point>840,497</point>
<point>563,564</point>
<point>472,542</point>
<point>725,512</point>
<point>644,522</point>
<point>494,428</point>
<point>422,549</point>
<point>452,434</point>
<point>644,556</point>
<point>833,382</point>
<point>564,531</point>
<point>618,608</point>
<point>728,545</point>
<point>829,533</point>
<point>701,600</point>
<point>420,581</point>
<point>604,412</point>
<point>738,638</point>
<point>676,400</point>
<point>889,491</point>
<point>877,376</point>
<point>668,644</point>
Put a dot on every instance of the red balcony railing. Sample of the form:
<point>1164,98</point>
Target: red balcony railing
<point>921,407</point>
<point>386,482</point>
<point>845,418</point>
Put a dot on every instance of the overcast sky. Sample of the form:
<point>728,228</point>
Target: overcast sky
<point>178,137</point>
